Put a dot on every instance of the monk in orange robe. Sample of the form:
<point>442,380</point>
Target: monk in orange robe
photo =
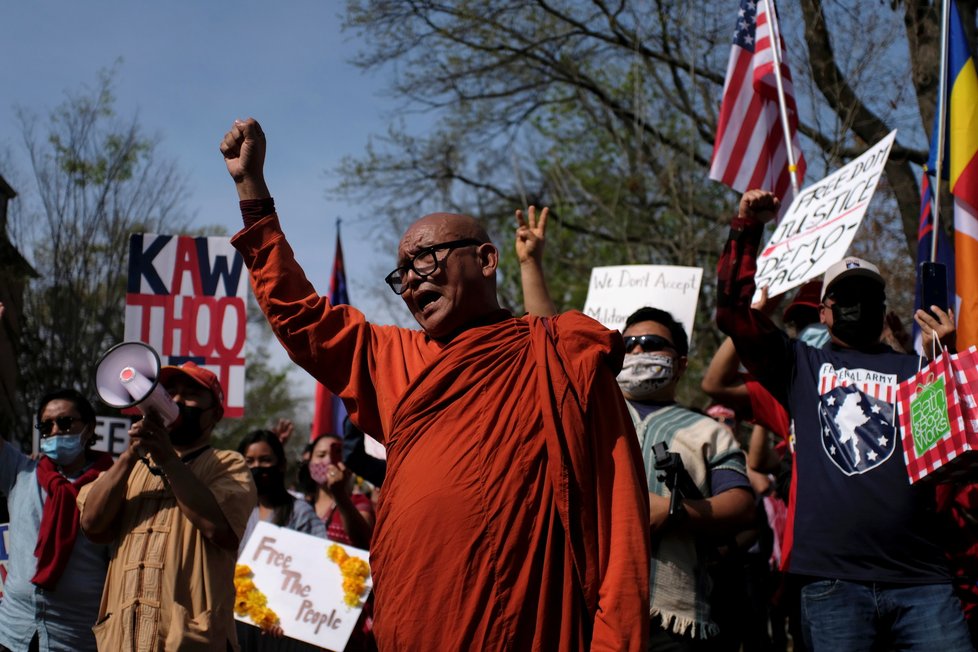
<point>514,514</point>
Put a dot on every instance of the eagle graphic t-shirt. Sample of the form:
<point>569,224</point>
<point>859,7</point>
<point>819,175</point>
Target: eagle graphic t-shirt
<point>856,515</point>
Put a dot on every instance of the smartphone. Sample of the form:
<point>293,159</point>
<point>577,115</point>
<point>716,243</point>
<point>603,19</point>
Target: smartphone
<point>933,286</point>
<point>335,452</point>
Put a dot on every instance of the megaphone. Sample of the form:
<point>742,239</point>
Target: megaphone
<point>127,376</point>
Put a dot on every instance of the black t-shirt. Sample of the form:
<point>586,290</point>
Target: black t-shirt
<point>856,515</point>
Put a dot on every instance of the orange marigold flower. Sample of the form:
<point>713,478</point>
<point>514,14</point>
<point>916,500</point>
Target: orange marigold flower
<point>336,554</point>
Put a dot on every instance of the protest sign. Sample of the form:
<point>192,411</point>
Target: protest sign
<point>821,222</point>
<point>4,555</point>
<point>616,292</point>
<point>112,435</point>
<point>298,578</point>
<point>186,299</point>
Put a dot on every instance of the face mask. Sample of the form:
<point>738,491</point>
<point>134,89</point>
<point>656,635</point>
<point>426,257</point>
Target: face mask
<point>643,374</point>
<point>188,428</point>
<point>317,471</point>
<point>859,325</point>
<point>268,479</point>
<point>815,335</point>
<point>62,449</point>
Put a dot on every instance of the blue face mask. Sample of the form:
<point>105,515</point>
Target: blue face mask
<point>62,449</point>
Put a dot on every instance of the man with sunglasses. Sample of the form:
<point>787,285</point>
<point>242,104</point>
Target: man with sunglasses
<point>51,595</point>
<point>656,353</point>
<point>514,513</point>
<point>864,540</point>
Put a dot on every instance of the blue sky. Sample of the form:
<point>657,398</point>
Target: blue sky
<point>188,69</point>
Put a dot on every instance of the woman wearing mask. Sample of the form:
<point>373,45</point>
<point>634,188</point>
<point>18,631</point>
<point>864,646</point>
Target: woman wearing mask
<point>52,593</point>
<point>265,456</point>
<point>349,517</point>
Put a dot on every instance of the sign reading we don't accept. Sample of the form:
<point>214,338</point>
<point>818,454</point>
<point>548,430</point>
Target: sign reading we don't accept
<point>616,292</point>
<point>821,222</point>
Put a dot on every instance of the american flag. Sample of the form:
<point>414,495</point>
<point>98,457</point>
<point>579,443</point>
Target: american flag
<point>749,150</point>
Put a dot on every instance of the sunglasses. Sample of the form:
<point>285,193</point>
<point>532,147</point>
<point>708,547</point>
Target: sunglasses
<point>64,425</point>
<point>648,343</point>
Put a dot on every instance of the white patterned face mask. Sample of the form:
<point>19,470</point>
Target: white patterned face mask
<point>643,374</point>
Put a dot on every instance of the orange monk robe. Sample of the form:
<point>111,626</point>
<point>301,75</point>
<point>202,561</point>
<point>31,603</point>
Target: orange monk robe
<point>514,513</point>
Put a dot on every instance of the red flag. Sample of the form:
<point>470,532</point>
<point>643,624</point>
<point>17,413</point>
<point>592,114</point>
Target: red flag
<point>329,412</point>
<point>749,151</point>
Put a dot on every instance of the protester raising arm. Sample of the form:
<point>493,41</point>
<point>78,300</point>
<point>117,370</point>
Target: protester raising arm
<point>530,241</point>
<point>763,347</point>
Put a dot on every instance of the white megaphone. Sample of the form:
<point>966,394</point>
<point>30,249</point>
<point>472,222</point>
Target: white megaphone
<point>127,376</point>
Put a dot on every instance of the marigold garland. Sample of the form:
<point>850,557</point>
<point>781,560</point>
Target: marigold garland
<point>355,572</point>
<point>249,601</point>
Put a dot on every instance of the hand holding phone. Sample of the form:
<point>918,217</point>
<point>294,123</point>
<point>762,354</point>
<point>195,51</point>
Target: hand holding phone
<point>335,452</point>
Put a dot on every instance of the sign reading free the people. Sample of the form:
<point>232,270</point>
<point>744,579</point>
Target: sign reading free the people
<point>313,588</point>
<point>821,222</point>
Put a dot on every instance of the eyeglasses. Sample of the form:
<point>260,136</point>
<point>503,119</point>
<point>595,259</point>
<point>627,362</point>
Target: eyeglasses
<point>64,425</point>
<point>424,263</point>
<point>648,343</point>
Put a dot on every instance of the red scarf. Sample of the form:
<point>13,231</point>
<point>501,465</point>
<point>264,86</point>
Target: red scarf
<point>59,522</point>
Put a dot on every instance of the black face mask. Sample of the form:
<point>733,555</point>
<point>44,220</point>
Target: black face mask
<point>188,429</point>
<point>859,325</point>
<point>268,479</point>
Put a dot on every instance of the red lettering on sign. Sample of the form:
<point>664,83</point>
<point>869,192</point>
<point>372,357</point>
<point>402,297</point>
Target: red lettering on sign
<point>186,262</point>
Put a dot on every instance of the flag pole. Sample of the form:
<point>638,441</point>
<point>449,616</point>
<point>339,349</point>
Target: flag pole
<point>941,119</point>
<point>776,55</point>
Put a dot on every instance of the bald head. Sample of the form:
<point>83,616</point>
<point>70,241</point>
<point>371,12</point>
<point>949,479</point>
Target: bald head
<point>462,226</point>
<point>463,287</point>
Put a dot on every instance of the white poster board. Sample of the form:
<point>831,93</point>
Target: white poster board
<point>186,299</point>
<point>303,586</point>
<point>616,292</point>
<point>819,226</point>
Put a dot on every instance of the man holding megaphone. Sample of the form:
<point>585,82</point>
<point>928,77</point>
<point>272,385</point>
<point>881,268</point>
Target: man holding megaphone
<point>174,509</point>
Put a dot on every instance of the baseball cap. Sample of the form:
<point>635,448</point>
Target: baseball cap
<point>850,267</point>
<point>203,377</point>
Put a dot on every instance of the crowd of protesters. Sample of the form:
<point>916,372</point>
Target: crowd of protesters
<point>543,489</point>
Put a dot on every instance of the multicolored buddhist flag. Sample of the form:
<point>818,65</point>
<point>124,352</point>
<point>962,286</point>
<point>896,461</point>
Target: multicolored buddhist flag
<point>330,411</point>
<point>960,167</point>
<point>749,150</point>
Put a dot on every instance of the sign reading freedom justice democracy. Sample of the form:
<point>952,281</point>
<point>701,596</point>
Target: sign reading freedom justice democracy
<point>302,585</point>
<point>821,222</point>
<point>186,299</point>
<point>616,292</point>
